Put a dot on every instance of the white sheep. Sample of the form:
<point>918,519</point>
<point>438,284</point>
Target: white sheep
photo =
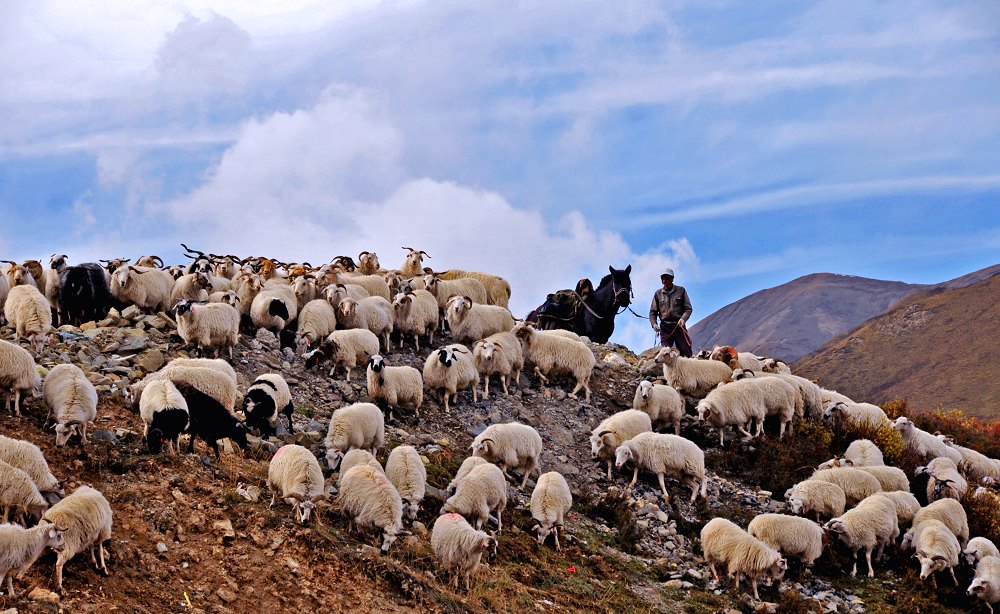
<point>449,370</point>
<point>906,505</point>
<point>724,543</point>
<point>467,465</point>
<point>471,321</point>
<point>165,415</point>
<point>415,313</point>
<point>790,535</point>
<point>615,429</point>
<point>856,484</point>
<point>305,291</point>
<point>986,583</point>
<point>976,465</point>
<point>548,353</point>
<point>266,398</point>
<point>356,457</point>
<point>374,313</point>
<point>406,471</point>
<point>208,325</point>
<point>18,374</point>
<point>72,402</point>
<point>977,549</point>
<point>145,287</point>
<point>948,511</point>
<point>864,453</point>
<point>499,354</point>
<point>192,287</point>
<point>20,548</point>
<point>771,365</point>
<point>843,415</point>
<point>497,288</point>
<point>360,425</point>
<point>413,265</point>
<point>368,263</point>
<point>294,476</point>
<point>663,404</point>
<point>274,307</point>
<point>443,290</point>
<point>665,455</point>
<point>889,478</point>
<point>817,497</point>
<point>459,547</point>
<point>923,443</point>
<point>937,550</point>
<point>230,298</point>
<point>394,385</point>
<point>689,376</point>
<point>375,285</point>
<point>483,490</point>
<point>29,312</point>
<point>511,446</point>
<point>205,377</point>
<point>84,518</point>
<point>335,293</point>
<point>946,482</point>
<point>550,501</point>
<point>19,496</point>
<point>737,404</point>
<point>809,393</point>
<point>346,348</point>
<point>27,457</point>
<point>870,525</point>
<point>317,319</point>
<point>369,500</point>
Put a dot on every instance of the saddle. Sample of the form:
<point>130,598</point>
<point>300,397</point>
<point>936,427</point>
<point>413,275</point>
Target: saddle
<point>560,307</point>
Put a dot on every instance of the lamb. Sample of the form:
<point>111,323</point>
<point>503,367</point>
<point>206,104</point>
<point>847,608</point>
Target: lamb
<point>665,454</point>
<point>274,307</point>
<point>368,499</point>
<point>937,550</point>
<point>415,313</point>
<point>443,290</point>
<point>294,476</point>
<point>28,311</point>
<point>817,497</point>
<point>770,365</point>
<point>406,471</point>
<point>20,548</point>
<point>497,288</point>
<point>483,491</point>
<point>977,549</point>
<point>856,484</point>
<point>986,584</point>
<point>394,385</point>
<point>689,376</point>
<point>413,265</point>
<point>210,418</point>
<point>449,370</point>
<point>374,313</point>
<point>471,321</point>
<point>868,526</point>
<point>18,374</point>
<point>663,404</point>
<point>722,542</point>
<point>345,348</point>
<point>552,352</point>
<point>923,443</point>
<point>148,288</point>
<point>789,535</point>
<point>510,445</point>
<point>737,404</point>
<point>460,548</point>
<point>467,465</point>
<point>948,511</point>
<point>267,396</point>
<point>208,325</point>
<point>19,496</point>
<point>165,415</point>
<point>317,319</point>
<point>499,354</point>
<point>26,456</point>
<point>192,287</point>
<point>360,425</point>
<point>906,505</point>
<point>889,478</point>
<point>72,402</point>
<point>84,518</point>
<point>368,263</point>
<point>83,293</point>
<point>550,501</point>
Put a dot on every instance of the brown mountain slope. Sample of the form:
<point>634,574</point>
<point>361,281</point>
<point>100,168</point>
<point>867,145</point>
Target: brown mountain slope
<point>933,348</point>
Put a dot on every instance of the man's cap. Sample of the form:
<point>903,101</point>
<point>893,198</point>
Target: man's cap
<point>668,272</point>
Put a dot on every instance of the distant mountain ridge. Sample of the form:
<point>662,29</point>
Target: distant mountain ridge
<point>796,318</point>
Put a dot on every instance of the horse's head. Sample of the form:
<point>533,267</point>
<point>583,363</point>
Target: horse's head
<point>621,284</point>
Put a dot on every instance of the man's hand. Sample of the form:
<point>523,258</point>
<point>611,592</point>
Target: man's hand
<point>680,323</point>
<point>656,328</point>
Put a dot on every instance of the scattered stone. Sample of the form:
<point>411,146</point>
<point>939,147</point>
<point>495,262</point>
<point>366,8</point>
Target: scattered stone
<point>226,595</point>
<point>224,528</point>
<point>150,360</point>
<point>42,595</point>
<point>105,436</point>
<point>161,547</point>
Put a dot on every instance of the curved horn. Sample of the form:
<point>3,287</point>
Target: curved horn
<point>603,433</point>
<point>409,248</point>
<point>425,253</point>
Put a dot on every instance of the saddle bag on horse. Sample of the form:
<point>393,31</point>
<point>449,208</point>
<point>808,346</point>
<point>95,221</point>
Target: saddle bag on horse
<point>560,308</point>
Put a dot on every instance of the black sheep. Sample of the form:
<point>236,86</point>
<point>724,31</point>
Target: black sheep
<point>84,294</point>
<point>210,420</point>
<point>167,426</point>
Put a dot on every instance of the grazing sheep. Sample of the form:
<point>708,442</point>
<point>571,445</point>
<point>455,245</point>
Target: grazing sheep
<point>497,288</point>
<point>317,319</point>
<point>550,352</point>
<point>937,550</point>
<point>72,402</point>
<point>374,313</point>
<point>976,465</point>
<point>191,287</point>
<point>213,377</point>
<point>511,446</point>
<point>499,354</point>
<point>737,404</point>
<point>615,429</point>
<point>946,482</point>
<point>406,471</point>
<point>28,458</point>
<point>360,425</point>
<point>471,321</point>
<point>923,443</point>
<point>868,526</point>
<point>19,496</point>
<point>268,396</point>
<point>948,511</point>
<point>790,535</point>
<point>20,548</point>
<point>274,307</point>
<point>84,518</point>
<point>369,500</point>
<point>148,288</point>
<point>864,453</point>
<point>690,376</point>
<point>18,374</point>
<point>28,311</point>
<point>977,549</point>
<point>663,404</point>
<point>843,415</point>
<point>345,348</point>
<point>817,497</point>
<point>665,454</point>
<point>889,478</point>
<point>550,501</point>
<point>856,484</point>
<point>165,415</point>
<point>906,505</point>
<point>722,542</point>
<point>294,476</point>
<point>449,370</point>
<point>415,313</point>
<point>394,385</point>
<point>483,490</point>
<point>208,325</point>
<point>810,401</point>
<point>210,418</point>
<point>356,457</point>
<point>460,548</point>
<point>986,584</point>
<point>467,465</point>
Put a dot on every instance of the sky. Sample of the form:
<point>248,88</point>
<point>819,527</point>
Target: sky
<point>742,143</point>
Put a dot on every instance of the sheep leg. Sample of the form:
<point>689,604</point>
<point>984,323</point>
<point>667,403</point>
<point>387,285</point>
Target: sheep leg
<point>475,395</point>
<point>854,567</point>
<point>527,472</point>
<point>446,409</point>
<point>486,387</point>
<point>715,574</point>
<point>348,375</point>
<point>791,427</point>
<point>666,497</point>
<point>10,583</point>
<point>742,429</point>
<point>635,477</point>
<point>503,382</point>
<point>83,434</point>
<point>17,402</point>
<point>609,470</point>
<point>677,427</point>
<point>289,410</point>
<point>721,435</point>
<point>693,483</point>
<point>499,522</point>
<point>60,562</point>
<point>781,431</point>
<point>541,377</point>
<point>576,389</point>
<point>555,534</point>
<point>868,557</point>
<point>332,371</point>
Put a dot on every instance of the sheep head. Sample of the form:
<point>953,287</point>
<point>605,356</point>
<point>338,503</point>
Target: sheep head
<point>599,442</point>
<point>483,448</point>
<point>623,455</point>
<point>930,564</point>
<point>376,363</point>
<point>667,356</point>
<point>979,586</point>
<point>58,261</point>
<point>446,356</point>
<point>65,431</point>
<point>706,409</point>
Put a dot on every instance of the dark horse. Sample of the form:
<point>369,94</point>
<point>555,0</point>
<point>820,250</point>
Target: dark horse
<point>586,311</point>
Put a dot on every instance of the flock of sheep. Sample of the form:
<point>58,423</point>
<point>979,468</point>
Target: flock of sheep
<point>346,314</point>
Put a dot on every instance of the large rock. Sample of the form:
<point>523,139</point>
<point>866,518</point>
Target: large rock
<point>150,360</point>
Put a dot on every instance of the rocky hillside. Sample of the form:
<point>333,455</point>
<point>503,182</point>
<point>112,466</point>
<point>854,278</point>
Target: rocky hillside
<point>932,349</point>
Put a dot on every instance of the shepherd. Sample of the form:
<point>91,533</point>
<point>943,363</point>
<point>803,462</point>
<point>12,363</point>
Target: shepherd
<point>672,307</point>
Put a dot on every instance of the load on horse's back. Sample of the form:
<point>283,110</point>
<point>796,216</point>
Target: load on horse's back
<point>587,311</point>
